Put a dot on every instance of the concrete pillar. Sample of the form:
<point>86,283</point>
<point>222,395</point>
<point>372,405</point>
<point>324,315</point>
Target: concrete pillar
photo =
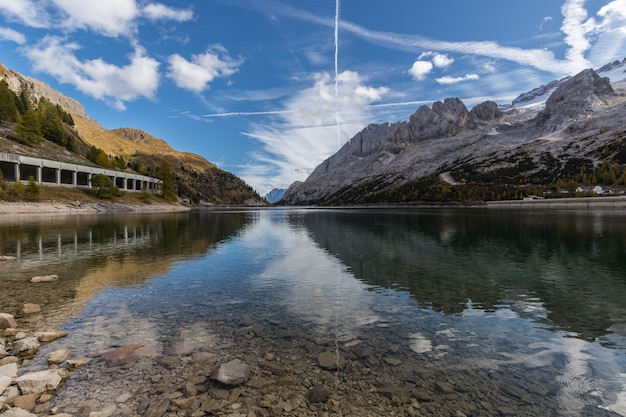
<point>39,175</point>
<point>17,172</point>
<point>58,175</point>
<point>75,178</point>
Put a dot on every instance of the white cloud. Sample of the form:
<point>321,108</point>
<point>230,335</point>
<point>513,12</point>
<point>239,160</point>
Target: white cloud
<point>28,12</point>
<point>454,80</point>
<point>7,34</point>
<point>442,61</point>
<point>438,60</point>
<point>96,78</point>
<point>421,69</point>
<point>158,11</point>
<point>610,32</point>
<point>110,18</point>
<point>195,75</point>
<point>576,27</point>
<point>307,131</point>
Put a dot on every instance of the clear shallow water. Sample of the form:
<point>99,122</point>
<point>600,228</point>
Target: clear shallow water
<point>486,312</point>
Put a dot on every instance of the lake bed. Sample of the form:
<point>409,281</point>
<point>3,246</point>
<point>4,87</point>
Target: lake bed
<point>443,312</point>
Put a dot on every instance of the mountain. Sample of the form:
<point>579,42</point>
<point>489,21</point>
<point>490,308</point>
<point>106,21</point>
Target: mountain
<point>197,180</point>
<point>275,195</point>
<point>563,132</point>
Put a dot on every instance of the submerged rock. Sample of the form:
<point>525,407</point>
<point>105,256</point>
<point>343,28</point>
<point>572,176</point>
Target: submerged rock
<point>318,394</point>
<point>44,278</point>
<point>233,373</point>
<point>58,356</point>
<point>331,361</point>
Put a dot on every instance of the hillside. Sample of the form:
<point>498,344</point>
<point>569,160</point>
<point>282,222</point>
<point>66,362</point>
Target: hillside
<point>569,133</point>
<point>197,180</point>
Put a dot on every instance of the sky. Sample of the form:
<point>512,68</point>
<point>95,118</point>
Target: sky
<point>268,89</point>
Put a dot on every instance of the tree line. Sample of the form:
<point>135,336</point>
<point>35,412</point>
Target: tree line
<point>36,120</point>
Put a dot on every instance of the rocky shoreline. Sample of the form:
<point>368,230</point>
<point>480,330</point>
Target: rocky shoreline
<point>53,207</point>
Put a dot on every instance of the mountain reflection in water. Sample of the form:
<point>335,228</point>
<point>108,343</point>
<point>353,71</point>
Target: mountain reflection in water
<point>573,264</point>
<point>489,312</point>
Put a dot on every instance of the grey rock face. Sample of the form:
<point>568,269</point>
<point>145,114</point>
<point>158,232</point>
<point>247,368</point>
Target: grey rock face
<point>443,120</point>
<point>485,112</point>
<point>436,139</point>
<point>576,97</point>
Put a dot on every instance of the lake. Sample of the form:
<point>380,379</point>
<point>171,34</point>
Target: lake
<point>440,312</point>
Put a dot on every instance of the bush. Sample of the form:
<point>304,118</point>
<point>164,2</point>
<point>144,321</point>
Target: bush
<point>104,186</point>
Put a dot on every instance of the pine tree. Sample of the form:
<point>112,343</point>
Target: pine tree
<point>8,109</point>
<point>28,129</point>
<point>168,181</point>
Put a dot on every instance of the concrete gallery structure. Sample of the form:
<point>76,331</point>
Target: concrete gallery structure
<point>43,171</point>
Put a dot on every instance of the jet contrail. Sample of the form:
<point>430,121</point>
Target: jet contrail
<point>337,73</point>
<point>248,113</point>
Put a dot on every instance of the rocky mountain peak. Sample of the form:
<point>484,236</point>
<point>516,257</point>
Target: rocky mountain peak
<point>38,89</point>
<point>576,97</point>
<point>485,112</point>
<point>443,120</point>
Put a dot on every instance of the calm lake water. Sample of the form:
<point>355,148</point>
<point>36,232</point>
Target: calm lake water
<point>441,311</point>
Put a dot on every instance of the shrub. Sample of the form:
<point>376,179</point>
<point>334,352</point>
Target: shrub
<point>104,186</point>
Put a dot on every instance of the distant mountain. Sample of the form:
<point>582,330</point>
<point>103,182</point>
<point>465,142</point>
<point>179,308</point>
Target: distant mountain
<point>275,195</point>
<point>570,131</point>
<point>197,179</point>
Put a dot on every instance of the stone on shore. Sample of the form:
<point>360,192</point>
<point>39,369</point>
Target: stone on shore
<point>5,382</point>
<point>50,335</point>
<point>27,346</point>
<point>7,321</point>
<point>233,373</point>
<point>41,381</point>
<point>9,370</point>
<point>44,278</point>
<point>58,356</point>
<point>17,412</point>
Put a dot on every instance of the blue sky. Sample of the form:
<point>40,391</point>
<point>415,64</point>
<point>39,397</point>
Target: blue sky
<point>268,89</point>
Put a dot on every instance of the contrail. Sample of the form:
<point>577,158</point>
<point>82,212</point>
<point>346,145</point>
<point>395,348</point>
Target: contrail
<point>248,113</point>
<point>337,73</point>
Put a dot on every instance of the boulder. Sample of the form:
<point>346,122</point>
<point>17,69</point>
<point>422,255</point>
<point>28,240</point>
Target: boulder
<point>233,373</point>
<point>41,381</point>
<point>7,321</point>
<point>4,258</point>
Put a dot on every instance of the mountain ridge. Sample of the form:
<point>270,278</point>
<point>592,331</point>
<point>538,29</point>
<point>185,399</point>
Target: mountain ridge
<point>486,140</point>
<point>198,180</point>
